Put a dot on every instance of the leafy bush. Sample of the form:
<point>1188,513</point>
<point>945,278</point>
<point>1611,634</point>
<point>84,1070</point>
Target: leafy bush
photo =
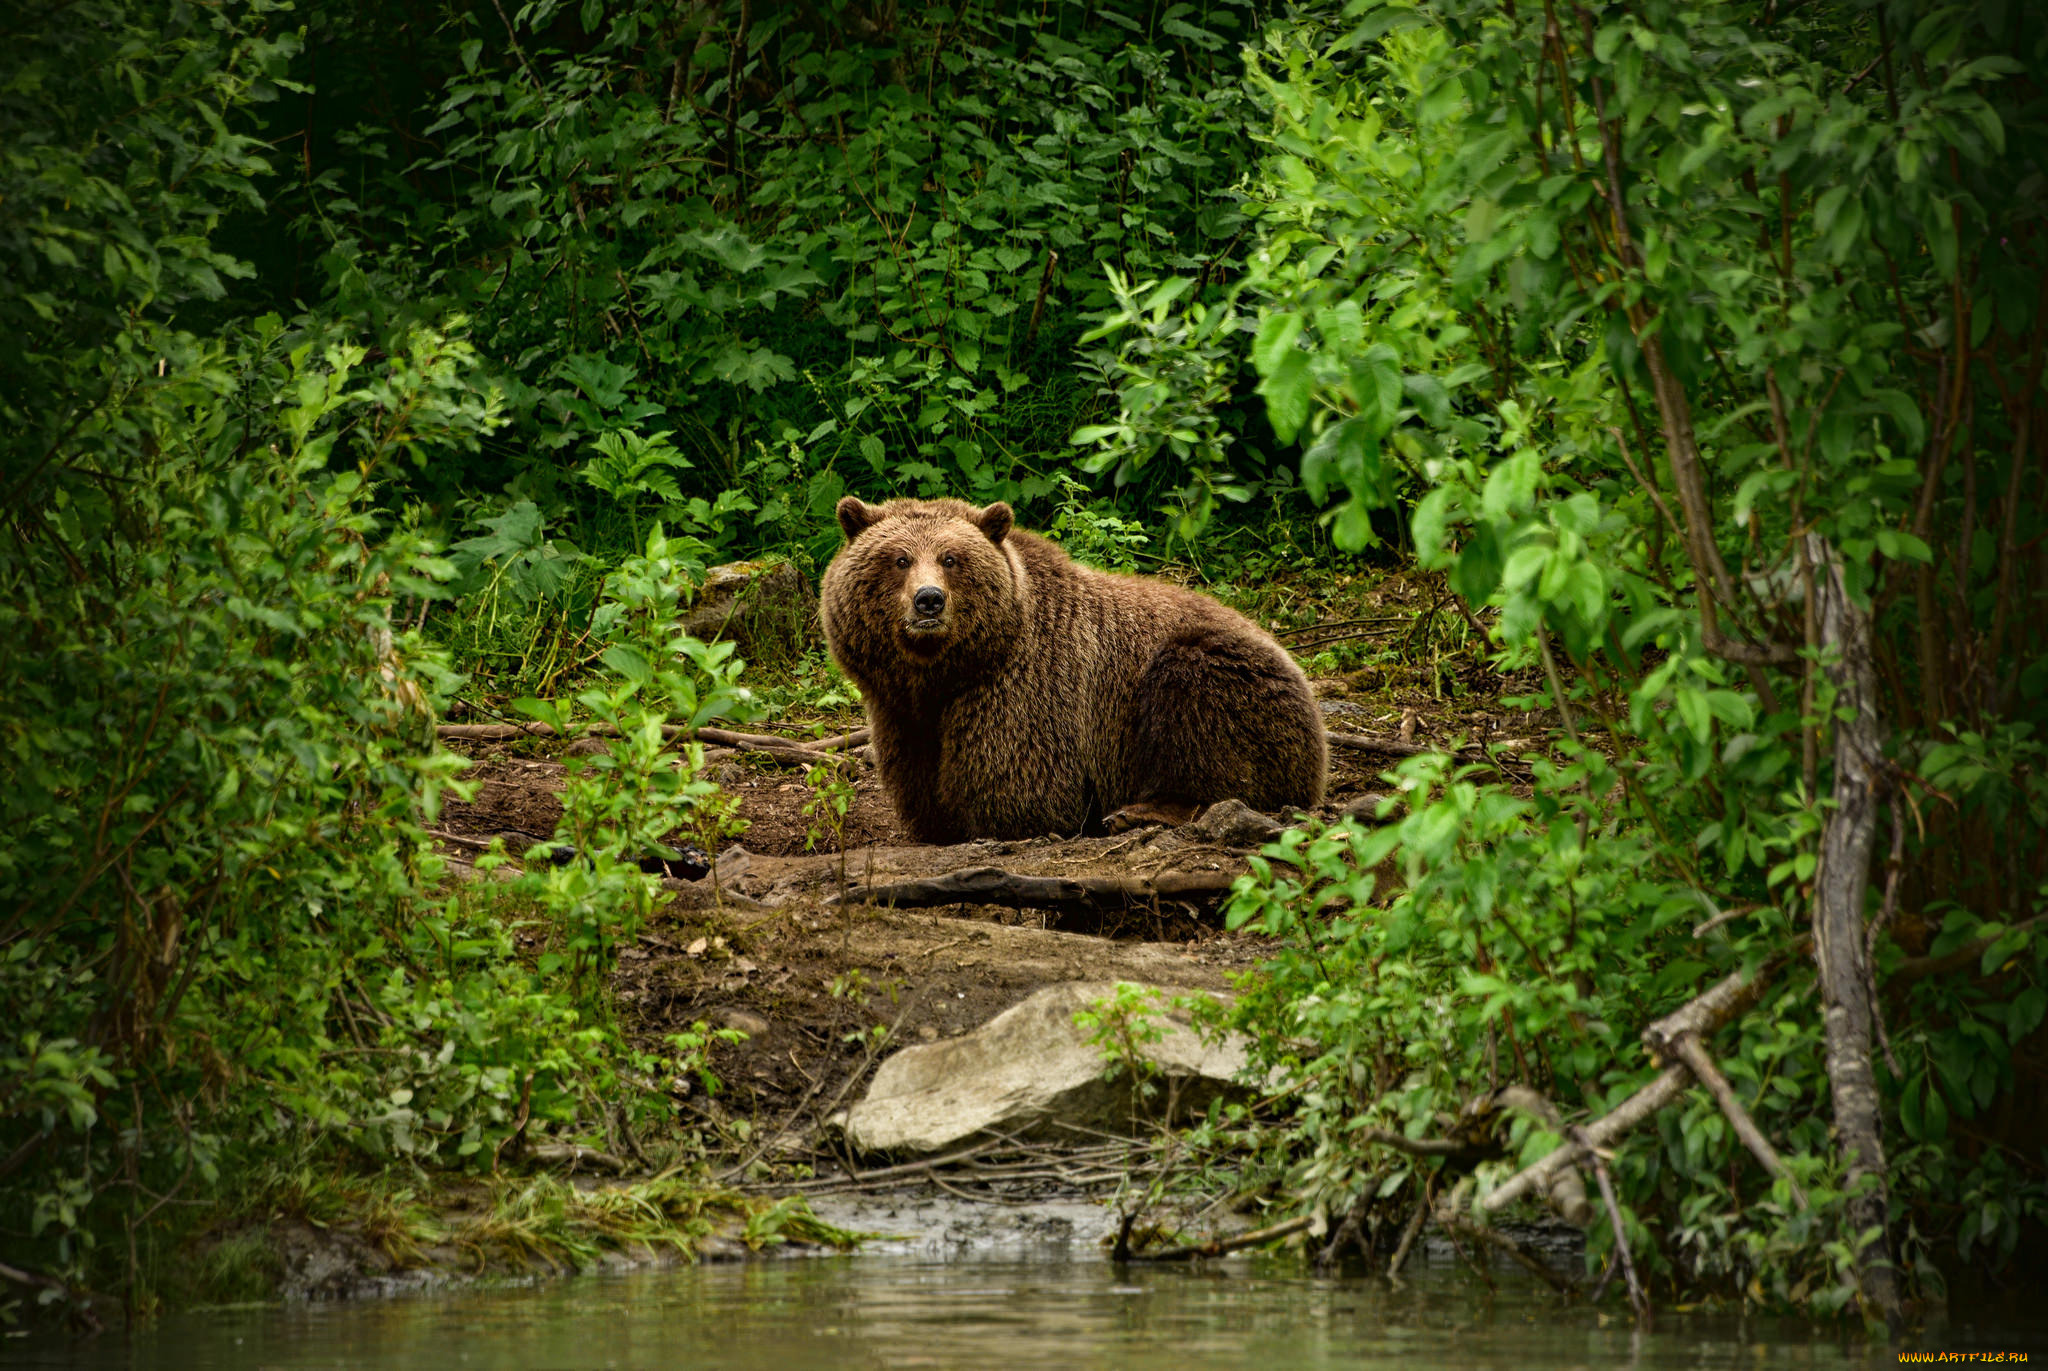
<point>784,253</point>
<point>1508,255</point>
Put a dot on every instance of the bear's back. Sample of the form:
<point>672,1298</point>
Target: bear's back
<point>1057,714</point>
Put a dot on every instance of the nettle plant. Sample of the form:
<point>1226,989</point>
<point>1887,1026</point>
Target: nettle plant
<point>632,798</point>
<point>1704,345</point>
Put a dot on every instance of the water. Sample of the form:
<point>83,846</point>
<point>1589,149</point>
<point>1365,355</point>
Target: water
<point>1008,1312</point>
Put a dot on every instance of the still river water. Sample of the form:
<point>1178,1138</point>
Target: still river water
<point>1011,1314</point>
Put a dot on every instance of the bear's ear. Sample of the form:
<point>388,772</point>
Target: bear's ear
<point>856,517</point>
<point>994,521</point>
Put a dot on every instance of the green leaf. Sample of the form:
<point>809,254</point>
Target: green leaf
<point>1275,341</point>
<point>1903,412</point>
<point>1288,390</point>
<point>629,662</point>
<point>1432,401</point>
<point>1694,711</point>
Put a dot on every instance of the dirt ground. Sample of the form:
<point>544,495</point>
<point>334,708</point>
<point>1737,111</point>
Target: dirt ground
<point>809,981</point>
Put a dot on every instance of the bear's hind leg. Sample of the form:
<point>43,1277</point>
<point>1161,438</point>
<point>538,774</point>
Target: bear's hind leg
<point>1216,717</point>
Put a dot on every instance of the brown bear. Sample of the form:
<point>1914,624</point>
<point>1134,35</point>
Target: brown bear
<point>1013,692</point>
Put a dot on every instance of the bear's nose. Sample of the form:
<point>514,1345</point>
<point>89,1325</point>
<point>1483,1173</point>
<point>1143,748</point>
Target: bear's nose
<point>929,602</point>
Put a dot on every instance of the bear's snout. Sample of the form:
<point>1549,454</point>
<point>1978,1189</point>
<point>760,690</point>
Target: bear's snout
<point>928,603</point>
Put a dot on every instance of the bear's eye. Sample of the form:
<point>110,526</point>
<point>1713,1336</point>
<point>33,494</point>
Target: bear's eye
<point>902,562</point>
<point>946,560</point>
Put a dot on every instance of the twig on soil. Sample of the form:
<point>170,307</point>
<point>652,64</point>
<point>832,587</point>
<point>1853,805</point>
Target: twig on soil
<point>910,1171</point>
<point>1385,747</point>
<point>935,951</point>
<point>867,1060</point>
<point>473,844</point>
<point>942,1183</point>
<point>574,1155</point>
<point>1398,748</point>
<point>1101,1164</point>
<point>1379,621</point>
<point>700,895</point>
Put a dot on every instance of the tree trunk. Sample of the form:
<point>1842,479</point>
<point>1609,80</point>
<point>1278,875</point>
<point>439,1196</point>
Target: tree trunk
<point>1838,945</point>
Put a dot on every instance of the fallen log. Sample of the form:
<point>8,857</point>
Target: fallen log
<point>993,885</point>
<point>787,755</point>
<point>788,751</point>
<point>492,733</point>
<point>500,732</point>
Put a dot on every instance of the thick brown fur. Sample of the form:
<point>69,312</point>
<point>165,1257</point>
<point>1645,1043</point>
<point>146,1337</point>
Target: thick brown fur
<point>1048,695</point>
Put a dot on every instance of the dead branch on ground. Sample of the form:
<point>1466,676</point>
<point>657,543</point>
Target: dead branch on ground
<point>801,751</point>
<point>1709,1075</point>
<point>1494,1238</point>
<point>993,885</point>
<point>1216,1248</point>
<point>1637,1299</point>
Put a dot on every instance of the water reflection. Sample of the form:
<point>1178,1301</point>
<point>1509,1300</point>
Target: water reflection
<point>847,1313</point>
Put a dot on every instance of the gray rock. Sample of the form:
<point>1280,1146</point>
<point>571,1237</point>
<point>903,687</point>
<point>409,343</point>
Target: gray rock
<point>764,607</point>
<point>1231,823</point>
<point>1029,1070</point>
<point>1366,809</point>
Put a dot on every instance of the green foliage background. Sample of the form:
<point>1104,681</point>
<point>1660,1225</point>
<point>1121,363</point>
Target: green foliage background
<point>317,322</point>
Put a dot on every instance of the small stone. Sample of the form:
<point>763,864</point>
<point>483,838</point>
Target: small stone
<point>741,1020</point>
<point>1366,808</point>
<point>1232,823</point>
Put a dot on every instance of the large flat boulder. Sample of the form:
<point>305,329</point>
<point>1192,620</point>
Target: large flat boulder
<point>1030,1070</point>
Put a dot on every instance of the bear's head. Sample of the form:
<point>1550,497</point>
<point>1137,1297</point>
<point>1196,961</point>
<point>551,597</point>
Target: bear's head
<point>921,585</point>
